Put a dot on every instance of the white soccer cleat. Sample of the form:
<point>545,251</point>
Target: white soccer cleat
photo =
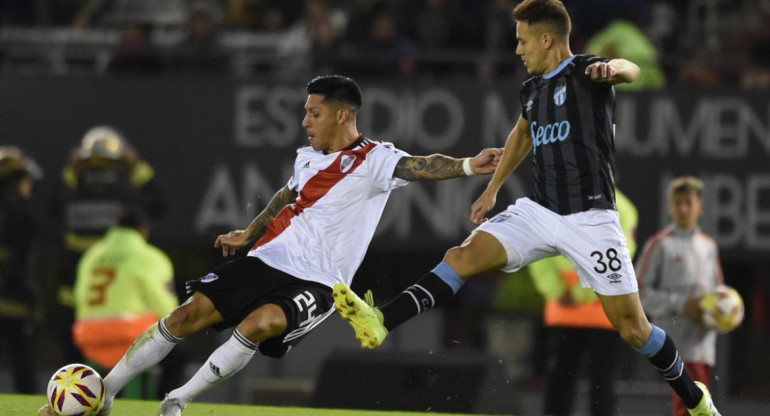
<point>706,406</point>
<point>170,407</point>
<point>106,408</point>
<point>46,410</point>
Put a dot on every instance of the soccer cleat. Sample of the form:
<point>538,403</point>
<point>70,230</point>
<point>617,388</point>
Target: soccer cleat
<point>365,319</point>
<point>170,407</point>
<point>106,408</point>
<point>46,410</point>
<point>706,406</point>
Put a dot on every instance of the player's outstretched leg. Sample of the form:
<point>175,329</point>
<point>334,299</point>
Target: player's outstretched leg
<point>706,406</point>
<point>148,349</point>
<point>365,319</point>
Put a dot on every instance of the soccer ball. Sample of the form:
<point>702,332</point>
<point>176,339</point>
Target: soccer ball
<point>722,309</point>
<point>76,390</point>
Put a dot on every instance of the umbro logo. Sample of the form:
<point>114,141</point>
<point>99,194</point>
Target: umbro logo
<point>615,277</point>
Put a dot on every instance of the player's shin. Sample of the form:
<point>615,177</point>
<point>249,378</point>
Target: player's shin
<point>154,344</point>
<point>227,360</point>
<point>432,290</point>
<point>662,353</point>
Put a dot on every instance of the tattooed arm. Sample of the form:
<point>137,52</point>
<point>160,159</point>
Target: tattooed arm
<point>435,167</point>
<point>236,239</point>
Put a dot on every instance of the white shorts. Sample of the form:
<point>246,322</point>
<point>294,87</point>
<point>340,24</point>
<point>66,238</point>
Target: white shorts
<point>592,240</point>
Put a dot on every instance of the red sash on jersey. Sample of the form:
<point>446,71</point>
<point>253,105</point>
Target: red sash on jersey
<point>318,186</point>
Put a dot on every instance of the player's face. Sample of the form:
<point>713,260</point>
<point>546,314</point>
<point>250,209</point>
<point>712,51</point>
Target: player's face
<point>530,47</point>
<point>685,208</point>
<point>320,122</point>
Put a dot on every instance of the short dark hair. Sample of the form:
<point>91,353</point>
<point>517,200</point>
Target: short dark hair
<point>336,88</point>
<point>550,12</point>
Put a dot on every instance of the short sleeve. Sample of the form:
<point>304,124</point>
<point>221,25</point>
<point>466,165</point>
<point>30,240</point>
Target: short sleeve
<point>293,181</point>
<point>524,100</point>
<point>382,162</point>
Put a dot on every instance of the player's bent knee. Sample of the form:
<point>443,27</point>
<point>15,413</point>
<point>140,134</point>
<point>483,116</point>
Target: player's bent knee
<point>178,321</point>
<point>174,323</point>
<point>459,258</point>
<point>191,316</point>
<point>456,255</point>
<point>480,252</point>
<point>633,335</point>
<point>266,322</point>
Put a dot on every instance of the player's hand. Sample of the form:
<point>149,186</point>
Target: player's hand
<point>692,309</point>
<point>486,162</point>
<point>232,241</point>
<point>601,72</point>
<point>483,204</point>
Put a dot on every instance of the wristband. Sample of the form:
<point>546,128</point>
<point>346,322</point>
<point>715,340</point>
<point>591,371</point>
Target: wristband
<point>467,166</point>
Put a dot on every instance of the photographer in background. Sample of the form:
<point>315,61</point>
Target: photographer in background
<point>104,178</point>
<point>18,291</point>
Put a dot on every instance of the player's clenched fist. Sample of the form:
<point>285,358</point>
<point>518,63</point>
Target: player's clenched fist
<point>601,72</point>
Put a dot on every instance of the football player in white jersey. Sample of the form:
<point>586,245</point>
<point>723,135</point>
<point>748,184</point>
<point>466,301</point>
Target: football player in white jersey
<point>313,233</point>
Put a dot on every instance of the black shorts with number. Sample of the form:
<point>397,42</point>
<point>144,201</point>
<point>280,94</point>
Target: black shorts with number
<point>240,286</point>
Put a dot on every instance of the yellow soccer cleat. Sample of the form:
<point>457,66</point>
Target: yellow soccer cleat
<point>706,406</point>
<point>365,319</point>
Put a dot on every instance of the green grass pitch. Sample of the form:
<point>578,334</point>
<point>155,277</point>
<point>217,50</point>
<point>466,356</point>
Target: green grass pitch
<point>18,405</point>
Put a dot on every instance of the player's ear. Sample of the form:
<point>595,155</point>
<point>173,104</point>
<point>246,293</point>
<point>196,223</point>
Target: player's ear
<point>343,114</point>
<point>547,39</point>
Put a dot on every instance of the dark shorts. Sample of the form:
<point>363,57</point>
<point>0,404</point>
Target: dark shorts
<point>240,286</point>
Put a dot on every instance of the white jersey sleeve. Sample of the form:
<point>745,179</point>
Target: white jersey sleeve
<point>301,159</point>
<point>383,161</point>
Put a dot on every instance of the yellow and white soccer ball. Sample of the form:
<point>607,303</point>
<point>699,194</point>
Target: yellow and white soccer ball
<point>76,390</point>
<point>722,309</point>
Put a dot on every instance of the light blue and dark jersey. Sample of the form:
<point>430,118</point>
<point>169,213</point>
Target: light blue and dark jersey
<point>571,121</point>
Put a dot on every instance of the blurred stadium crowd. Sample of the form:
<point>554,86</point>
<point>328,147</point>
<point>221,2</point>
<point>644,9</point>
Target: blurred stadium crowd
<point>694,43</point>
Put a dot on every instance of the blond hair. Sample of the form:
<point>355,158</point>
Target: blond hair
<point>686,184</point>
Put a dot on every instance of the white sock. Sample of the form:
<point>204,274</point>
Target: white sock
<point>227,360</point>
<point>154,344</point>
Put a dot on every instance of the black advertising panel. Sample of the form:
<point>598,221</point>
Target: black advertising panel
<point>221,148</point>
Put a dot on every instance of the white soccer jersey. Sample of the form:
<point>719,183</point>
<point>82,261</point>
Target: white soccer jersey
<point>675,265</point>
<point>324,234</point>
